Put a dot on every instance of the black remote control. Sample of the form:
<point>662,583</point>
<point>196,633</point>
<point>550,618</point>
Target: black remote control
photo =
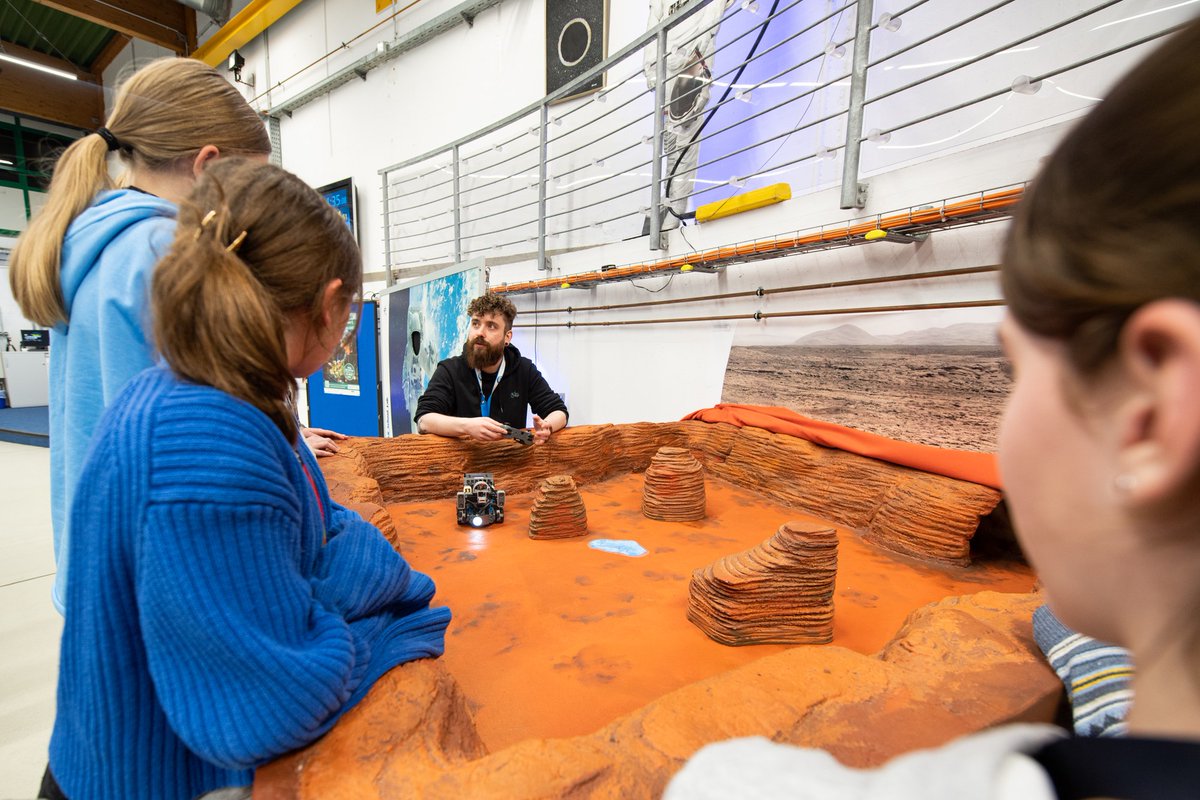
<point>517,434</point>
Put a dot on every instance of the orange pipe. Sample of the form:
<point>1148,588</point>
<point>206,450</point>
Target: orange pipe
<point>897,222</point>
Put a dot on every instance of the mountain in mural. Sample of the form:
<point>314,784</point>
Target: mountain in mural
<point>841,336</point>
<point>966,334</point>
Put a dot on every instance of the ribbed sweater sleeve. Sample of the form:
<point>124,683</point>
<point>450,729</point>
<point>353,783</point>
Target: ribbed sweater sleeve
<point>247,618</point>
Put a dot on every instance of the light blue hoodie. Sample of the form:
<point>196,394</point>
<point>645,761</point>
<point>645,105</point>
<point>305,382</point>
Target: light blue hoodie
<point>108,256</point>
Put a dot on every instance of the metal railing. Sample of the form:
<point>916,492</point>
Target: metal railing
<point>791,86</point>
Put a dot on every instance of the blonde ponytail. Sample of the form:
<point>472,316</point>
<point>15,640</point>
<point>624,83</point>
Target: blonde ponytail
<point>80,174</point>
<point>162,116</point>
<point>254,246</point>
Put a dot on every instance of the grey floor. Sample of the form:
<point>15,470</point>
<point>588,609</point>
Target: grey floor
<point>29,626</point>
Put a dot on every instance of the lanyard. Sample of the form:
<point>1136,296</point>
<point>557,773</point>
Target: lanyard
<point>320,506</point>
<point>485,403</point>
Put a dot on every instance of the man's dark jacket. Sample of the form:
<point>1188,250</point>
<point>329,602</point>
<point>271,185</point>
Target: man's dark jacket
<point>454,391</point>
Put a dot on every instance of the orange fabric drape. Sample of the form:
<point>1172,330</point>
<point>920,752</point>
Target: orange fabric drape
<point>964,465</point>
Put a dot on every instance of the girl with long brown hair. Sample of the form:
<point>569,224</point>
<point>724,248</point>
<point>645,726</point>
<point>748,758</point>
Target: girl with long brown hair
<point>223,609</point>
<point>83,266</point>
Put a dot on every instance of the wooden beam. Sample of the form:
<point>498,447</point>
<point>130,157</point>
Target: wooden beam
<point>189,29</point>
<point>30,92</point>
<point>160,22</point>
<point>105,57</point>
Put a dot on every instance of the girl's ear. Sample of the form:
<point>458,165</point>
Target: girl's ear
<point>331,302</point>
<point>207,155</point>
<point>1160,422</point>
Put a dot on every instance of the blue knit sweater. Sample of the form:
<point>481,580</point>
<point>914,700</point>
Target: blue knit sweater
<point>216,618</point>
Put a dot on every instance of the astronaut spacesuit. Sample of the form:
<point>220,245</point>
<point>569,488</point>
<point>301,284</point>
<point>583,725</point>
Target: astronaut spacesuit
<point>689,58</point>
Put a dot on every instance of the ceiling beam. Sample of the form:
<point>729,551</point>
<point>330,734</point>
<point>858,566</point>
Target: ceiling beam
<point>250,22</point>
<point>30,92</point>
<point>106,56</point>
<point>159,22</point>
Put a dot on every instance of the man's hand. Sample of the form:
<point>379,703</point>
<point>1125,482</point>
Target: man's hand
<point>485,429</point>
<point>541,430</point>
<point>322,441</point>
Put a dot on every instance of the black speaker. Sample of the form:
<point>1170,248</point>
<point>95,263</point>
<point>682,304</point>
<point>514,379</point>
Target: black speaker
<point>576,41</point>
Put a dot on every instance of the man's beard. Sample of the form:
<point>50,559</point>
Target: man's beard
<point>481,357</point>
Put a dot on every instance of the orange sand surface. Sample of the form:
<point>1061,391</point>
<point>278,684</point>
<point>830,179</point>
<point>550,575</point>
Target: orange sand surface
<point>556,639</point>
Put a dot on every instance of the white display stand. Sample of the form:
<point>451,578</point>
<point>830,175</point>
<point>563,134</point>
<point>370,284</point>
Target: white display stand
<point>27,378</point>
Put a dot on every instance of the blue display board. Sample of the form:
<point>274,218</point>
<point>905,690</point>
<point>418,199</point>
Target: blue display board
<point>344,395</point>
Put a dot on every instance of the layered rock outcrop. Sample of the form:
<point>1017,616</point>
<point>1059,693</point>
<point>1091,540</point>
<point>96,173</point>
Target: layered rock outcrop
<point>780,592</point>
<point>674,488</point>
<point>558,511</point>
<point>904,510</point>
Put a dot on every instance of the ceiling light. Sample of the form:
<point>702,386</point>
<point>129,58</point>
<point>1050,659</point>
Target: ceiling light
<point>34,65</point>
<point>6,162</point>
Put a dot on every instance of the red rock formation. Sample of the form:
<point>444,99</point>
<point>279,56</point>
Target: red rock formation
<point>955,667</point>
<point>900,509</point>
<point>558,511</point>
<point>780,592</point>
<point>674,486</point>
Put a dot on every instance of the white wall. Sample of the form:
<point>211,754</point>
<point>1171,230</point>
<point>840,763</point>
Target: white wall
<point>472,76</point>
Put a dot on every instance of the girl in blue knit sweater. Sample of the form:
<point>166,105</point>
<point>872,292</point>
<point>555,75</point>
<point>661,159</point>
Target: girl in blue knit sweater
<point>222,609</point>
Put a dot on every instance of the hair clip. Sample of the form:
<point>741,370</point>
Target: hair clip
<point>209,217</point>
<point>236,243</point>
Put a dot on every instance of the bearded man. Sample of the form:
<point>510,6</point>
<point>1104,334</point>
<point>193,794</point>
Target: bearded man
<point>490,385</point>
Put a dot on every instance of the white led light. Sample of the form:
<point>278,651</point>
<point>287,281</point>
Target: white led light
<point>34,65</point>
<point>477,522</point>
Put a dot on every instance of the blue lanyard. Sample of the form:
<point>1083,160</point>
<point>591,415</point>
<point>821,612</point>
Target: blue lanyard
<point>485,402</point>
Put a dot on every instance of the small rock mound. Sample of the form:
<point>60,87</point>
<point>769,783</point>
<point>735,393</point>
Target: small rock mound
<point>674,489</point>
<point>558,511</point>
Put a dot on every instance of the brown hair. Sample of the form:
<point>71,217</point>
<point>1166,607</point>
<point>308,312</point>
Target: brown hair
<point>220,305</point>
<point>493,304</point>
<point>161,117</point>
<point>1113,220</point>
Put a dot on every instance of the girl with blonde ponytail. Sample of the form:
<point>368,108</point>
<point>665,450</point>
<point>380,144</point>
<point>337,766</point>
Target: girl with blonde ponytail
<point>83,266</point>
<point>224,610</point>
